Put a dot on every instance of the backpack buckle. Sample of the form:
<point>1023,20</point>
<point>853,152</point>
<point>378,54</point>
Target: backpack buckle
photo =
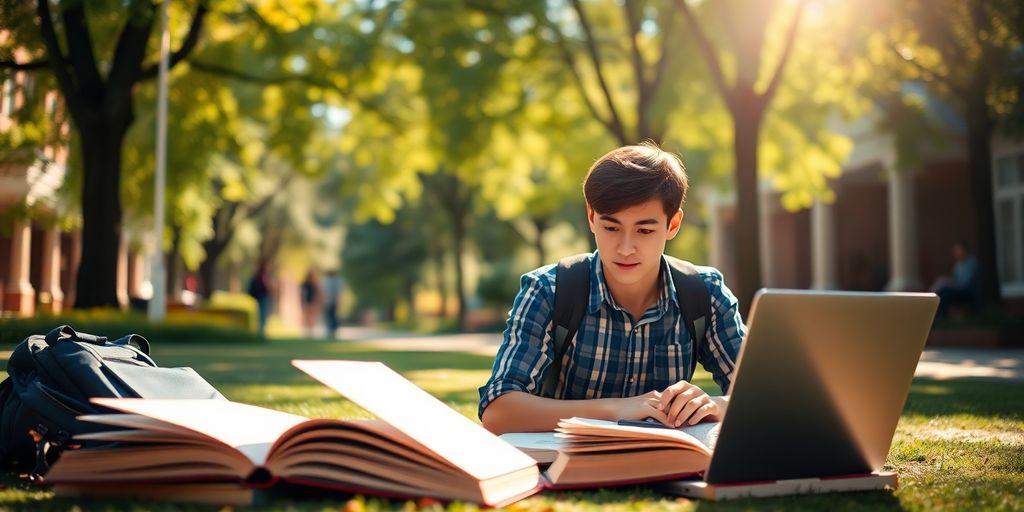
<point>44,444</point>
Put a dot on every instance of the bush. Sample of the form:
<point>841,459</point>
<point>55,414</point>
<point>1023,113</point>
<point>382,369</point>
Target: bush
<point>498,287</point>
<point>236,309</point>
<point>178,327</point>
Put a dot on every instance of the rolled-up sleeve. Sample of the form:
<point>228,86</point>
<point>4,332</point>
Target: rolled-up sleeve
<point>725,332</point>
<point>526,350</point>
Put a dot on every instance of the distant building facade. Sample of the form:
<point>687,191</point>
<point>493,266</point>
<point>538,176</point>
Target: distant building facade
<point>888,228</point>
<point>37,260</point>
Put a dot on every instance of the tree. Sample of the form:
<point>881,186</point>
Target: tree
<point>100,106</point>
<point>966,51</point>
<point>745,25</point>
<point>454,197</point>
<point>382,262</point>
<point>226,219</point>
<point>622,53</point>
<point>253,107</point>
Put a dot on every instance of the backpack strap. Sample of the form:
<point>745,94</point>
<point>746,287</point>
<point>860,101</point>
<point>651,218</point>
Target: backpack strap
<point>694,303</point>
<point>67,333</point>
<point>572,278</point>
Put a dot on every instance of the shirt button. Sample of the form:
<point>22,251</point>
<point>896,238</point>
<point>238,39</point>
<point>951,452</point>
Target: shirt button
<point>630,379</point>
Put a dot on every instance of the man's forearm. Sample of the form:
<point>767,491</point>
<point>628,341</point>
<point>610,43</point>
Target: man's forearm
<point>522,412</point>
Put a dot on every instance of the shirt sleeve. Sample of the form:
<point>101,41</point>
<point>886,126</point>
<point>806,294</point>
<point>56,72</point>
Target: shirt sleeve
<point>724,333</point>
<point>526,350</point>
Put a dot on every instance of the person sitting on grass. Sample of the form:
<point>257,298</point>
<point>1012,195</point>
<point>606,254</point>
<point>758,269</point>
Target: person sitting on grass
<point>632,357</point>
<point>960,287</point>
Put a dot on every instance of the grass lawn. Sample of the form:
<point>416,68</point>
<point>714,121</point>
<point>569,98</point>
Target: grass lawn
<point>959,444</point>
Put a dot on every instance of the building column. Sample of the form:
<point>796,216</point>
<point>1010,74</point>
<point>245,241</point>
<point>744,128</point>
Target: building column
<point>51,297</point>
<point>823,247</point>
<point>903,269</point>
<point>19,296</point>
<point>122,273</point>
<point>136,273</point>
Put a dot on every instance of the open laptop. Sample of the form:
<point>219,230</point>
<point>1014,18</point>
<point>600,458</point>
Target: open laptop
<point>820,384</point>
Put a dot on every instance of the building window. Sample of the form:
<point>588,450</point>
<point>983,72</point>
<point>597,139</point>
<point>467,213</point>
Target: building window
<point>1009,206</point>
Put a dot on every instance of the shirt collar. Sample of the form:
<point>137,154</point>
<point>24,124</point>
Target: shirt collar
<point>599,287</point>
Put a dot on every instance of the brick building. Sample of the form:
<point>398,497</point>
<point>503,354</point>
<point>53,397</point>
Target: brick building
<point>888,228</point>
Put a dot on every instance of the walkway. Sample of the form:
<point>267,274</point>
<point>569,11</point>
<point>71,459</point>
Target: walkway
<point>936,363</point>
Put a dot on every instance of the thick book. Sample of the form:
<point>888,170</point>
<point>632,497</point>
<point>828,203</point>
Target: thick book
<point>220,451</point>
<point>598,453</point>
<point>541,446</point>
<point>696,488</point>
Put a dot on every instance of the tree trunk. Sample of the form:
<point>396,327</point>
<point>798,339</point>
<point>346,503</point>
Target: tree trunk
<point>459,241</point>
<point>442,283</point>
<point>208,268</point>
<point>541,224</point>
<point>102,140</point>
<point>746,127</point>
<point>979,134</point>
<point>409,291</point>
<point>207,276</point>
<point>171,266</point>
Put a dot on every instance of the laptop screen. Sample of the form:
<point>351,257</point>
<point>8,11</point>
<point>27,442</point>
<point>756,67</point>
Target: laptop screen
<point>820,384</point>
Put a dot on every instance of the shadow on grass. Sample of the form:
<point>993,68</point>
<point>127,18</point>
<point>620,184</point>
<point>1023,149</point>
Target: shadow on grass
<point>868,500</point>
<point>979,397</point>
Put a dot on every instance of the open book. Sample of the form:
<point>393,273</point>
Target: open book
<point>217,450</point>
<point>601,453</point>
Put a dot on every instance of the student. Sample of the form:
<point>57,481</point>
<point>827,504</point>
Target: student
<point>309,293</point>
<point>631,356</point>
<point>261,289</point>
<point>961,286</point>
<point>332,296</point>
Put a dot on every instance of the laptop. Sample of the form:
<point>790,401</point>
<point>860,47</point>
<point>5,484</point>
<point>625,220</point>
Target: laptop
<point>820,383</point>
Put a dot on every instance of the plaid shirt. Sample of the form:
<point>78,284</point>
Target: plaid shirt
<point>611,355</point>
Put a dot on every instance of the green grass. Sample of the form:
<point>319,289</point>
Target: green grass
<point>958,446</point>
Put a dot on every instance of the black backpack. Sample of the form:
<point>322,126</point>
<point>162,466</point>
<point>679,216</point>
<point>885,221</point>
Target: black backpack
<point>53,377</point>
<point>572,279</point>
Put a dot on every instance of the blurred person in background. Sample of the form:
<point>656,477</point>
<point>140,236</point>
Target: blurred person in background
<point>311,299</point>
<point>332,300</point>
<point>960,287</point>
<point>261,288</point>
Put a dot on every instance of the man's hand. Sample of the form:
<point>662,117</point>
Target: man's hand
<point>685,403</point>
<point>640,407</point>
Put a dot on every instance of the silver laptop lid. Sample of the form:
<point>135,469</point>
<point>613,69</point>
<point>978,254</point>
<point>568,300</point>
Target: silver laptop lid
<point>820,384</point>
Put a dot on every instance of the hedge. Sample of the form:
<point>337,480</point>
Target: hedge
<point>180,326</point>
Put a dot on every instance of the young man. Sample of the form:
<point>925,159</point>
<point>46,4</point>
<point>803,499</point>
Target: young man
<point>631,356</point>
<point>960,287</point>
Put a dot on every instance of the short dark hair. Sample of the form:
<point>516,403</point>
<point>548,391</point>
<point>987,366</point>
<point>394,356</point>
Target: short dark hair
<point>632,175</point>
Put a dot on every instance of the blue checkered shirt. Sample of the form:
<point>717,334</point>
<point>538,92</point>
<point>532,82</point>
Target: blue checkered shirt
<point>612,355</point>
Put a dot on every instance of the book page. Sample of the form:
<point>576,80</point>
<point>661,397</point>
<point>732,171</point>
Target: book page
<point>541,446</point>
<point>535,440</point>
<point>392,398</point>
<point>601,428</point>
<point>706,433</point>
<point>249,429</point>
